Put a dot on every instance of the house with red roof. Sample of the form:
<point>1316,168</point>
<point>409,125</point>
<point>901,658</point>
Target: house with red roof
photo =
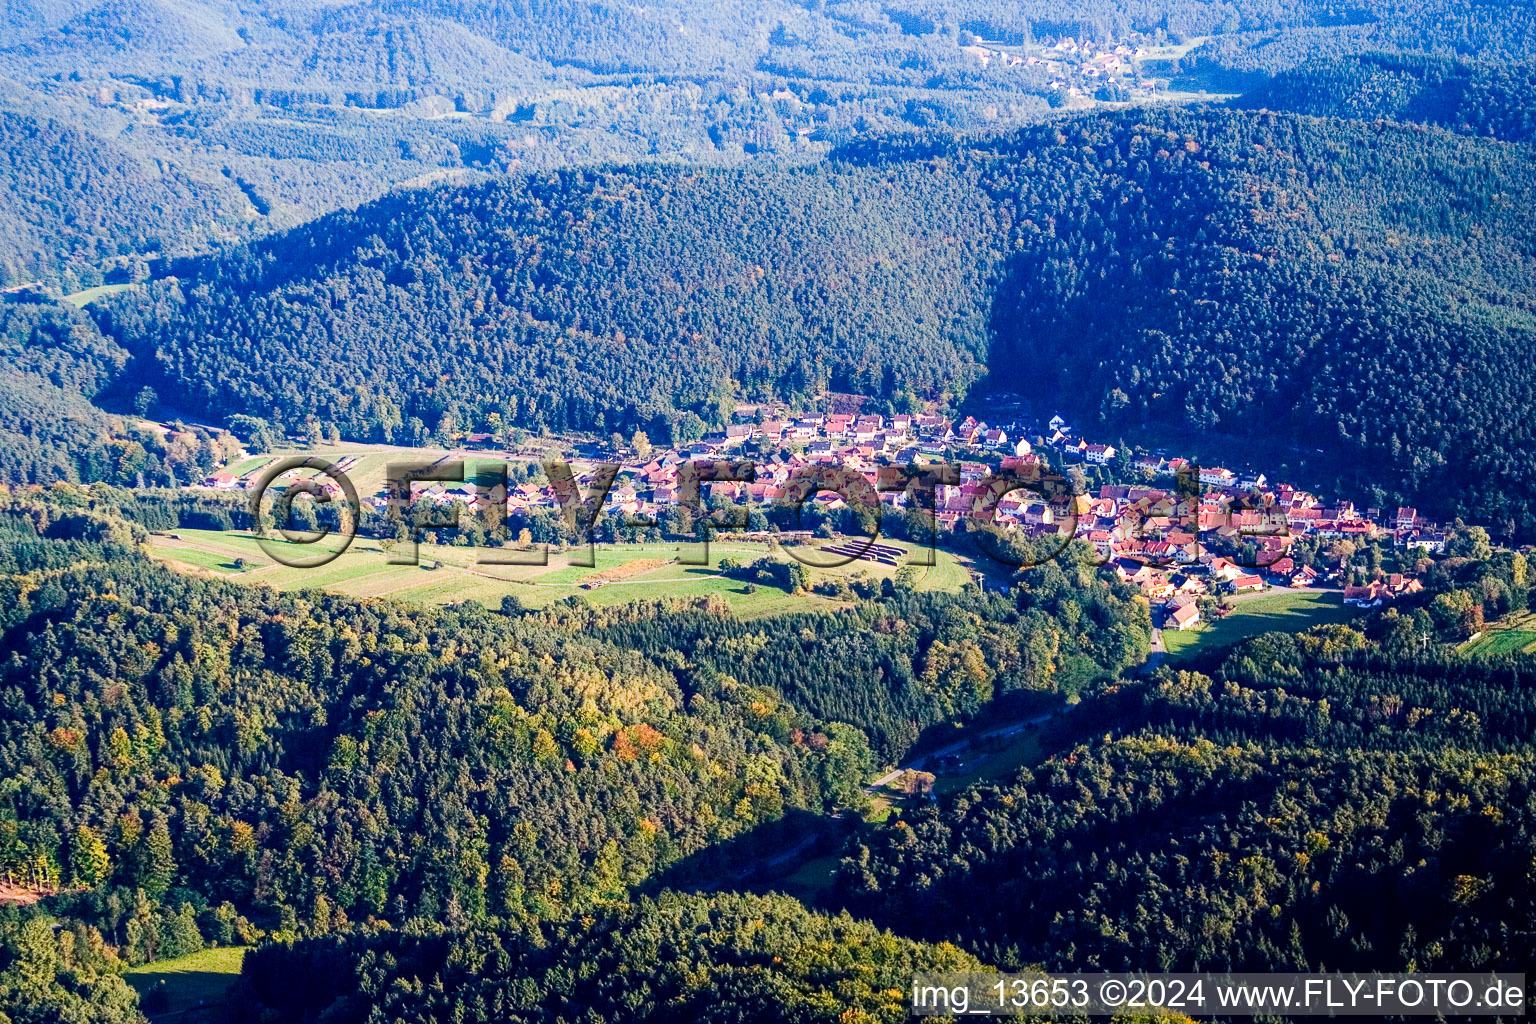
<point>1184,617</point>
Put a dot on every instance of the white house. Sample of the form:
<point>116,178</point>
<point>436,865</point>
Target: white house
<point>1216,476</point>
<point>1099,453</point>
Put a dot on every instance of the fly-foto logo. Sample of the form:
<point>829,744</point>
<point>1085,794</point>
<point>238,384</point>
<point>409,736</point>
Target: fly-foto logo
<point>934,491</point>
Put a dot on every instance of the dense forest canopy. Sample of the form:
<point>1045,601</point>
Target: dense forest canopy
<point>198,761</point>
<point>56,367</point>
<point>1316,805</point>
<point>721,958</point>
<point>1286,235</point>
<point>1474,98</point>
<point>586,299</point>
<point>1312,282</point>
<point>67,192</point>
<point>55,363</point>
<point>1308,282</point>
<point>1490,30</point>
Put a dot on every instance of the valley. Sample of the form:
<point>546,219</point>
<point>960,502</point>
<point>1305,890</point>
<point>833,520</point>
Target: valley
<point>1107,424</point>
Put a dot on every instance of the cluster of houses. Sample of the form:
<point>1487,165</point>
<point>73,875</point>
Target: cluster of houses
<point>1089,61</point>
<point>1380,591</point>
<point>1088,49</point>
<point>1095,64</point>
<point>1159,538</point>
<point>800,446</point>
<point>1164,540</point>
<point>1175,591</point>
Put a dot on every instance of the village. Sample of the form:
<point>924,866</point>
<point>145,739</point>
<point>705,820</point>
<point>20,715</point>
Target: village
<point>1080,71</point>
<point>1209,532</point>
<point>1074,68</point>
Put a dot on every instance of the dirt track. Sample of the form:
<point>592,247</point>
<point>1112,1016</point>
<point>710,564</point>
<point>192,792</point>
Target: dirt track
<point>20,896</point>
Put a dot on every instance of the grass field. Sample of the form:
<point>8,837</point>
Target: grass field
<point>1515,634</point>
<point>448,574</point>
<point>1286,611</point>
<point>995,759</point>
<point>196,980</point>
<point>90,295</point>
<point>250,465</point>
<point>1173,51</point>
<point>1504,641</point>
<point>367,465</point>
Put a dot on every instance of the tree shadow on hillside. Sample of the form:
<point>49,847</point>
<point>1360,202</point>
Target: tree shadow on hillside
<point>758,860</point>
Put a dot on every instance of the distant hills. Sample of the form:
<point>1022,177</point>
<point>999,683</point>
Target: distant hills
<point>409,221</point>
<point>1358,294</point>
<point>73,202</point>
<point>1490,99</point>
<point>308,106</point>
<point>593,217</point>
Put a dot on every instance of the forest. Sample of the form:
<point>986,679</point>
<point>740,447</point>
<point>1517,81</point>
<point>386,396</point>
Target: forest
<point>416,317</point>
<point>194,761</point>
<point>1252,47</point>
<point>232,119</point>
<point>1319,803</point>
<point>1310,286</point>
<point>729,957</point>
<point>1238,277</point>
<point>103,202</point>
<point>51,429</point>
<point>1472,98</point>
<point>1283,234</point>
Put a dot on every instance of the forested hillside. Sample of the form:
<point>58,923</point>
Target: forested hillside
<point>1269,38</point>
<point>53,364</point>
<point>1473,98</point>
<point>721,958</point>
<point>1316,283</point>
<point>312,106</point>
<point>1242,275</point>
<point>221,740</point>
<point>72,201</point>
<point>1316,805</point>
<point>198,761</point>
<point>455,811</point>
<point>309,106</point>
<point>899,665</point>
<point>588,300</point>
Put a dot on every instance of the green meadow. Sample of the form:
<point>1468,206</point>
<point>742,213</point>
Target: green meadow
<point>193,986</point>
<point>446,574</point>
<point>1287,611</point>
